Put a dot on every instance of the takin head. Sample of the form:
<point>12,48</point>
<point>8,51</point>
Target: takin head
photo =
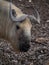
<point>18,30</point>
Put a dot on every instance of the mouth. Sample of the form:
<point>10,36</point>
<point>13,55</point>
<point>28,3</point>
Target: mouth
<point>24,47</point>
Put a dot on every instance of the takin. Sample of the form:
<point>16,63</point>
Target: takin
<point>15,26</point>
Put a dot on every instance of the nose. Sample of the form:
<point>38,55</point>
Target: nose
<point>27,34</point>
<point>24,43</point>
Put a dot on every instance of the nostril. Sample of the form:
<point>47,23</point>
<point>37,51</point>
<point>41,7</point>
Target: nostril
<point>17,27</point>
<point>24,47</point>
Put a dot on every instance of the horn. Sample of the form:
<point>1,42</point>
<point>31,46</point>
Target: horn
<point>23,17</point>
<point>33,17</point>
<point>14,16</point>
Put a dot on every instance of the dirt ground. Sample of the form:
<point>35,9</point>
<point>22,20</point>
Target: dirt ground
<point>38,54</point>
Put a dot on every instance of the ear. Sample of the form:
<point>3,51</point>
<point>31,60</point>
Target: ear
<point>13,13</point>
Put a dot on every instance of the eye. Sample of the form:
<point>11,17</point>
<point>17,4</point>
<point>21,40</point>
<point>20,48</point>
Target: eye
<point>17,27</point>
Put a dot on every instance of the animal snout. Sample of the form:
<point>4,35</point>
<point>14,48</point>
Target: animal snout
<point>24,43</point>
<point>24,47</point>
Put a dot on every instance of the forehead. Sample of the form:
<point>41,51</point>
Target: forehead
<point>26,23</point>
